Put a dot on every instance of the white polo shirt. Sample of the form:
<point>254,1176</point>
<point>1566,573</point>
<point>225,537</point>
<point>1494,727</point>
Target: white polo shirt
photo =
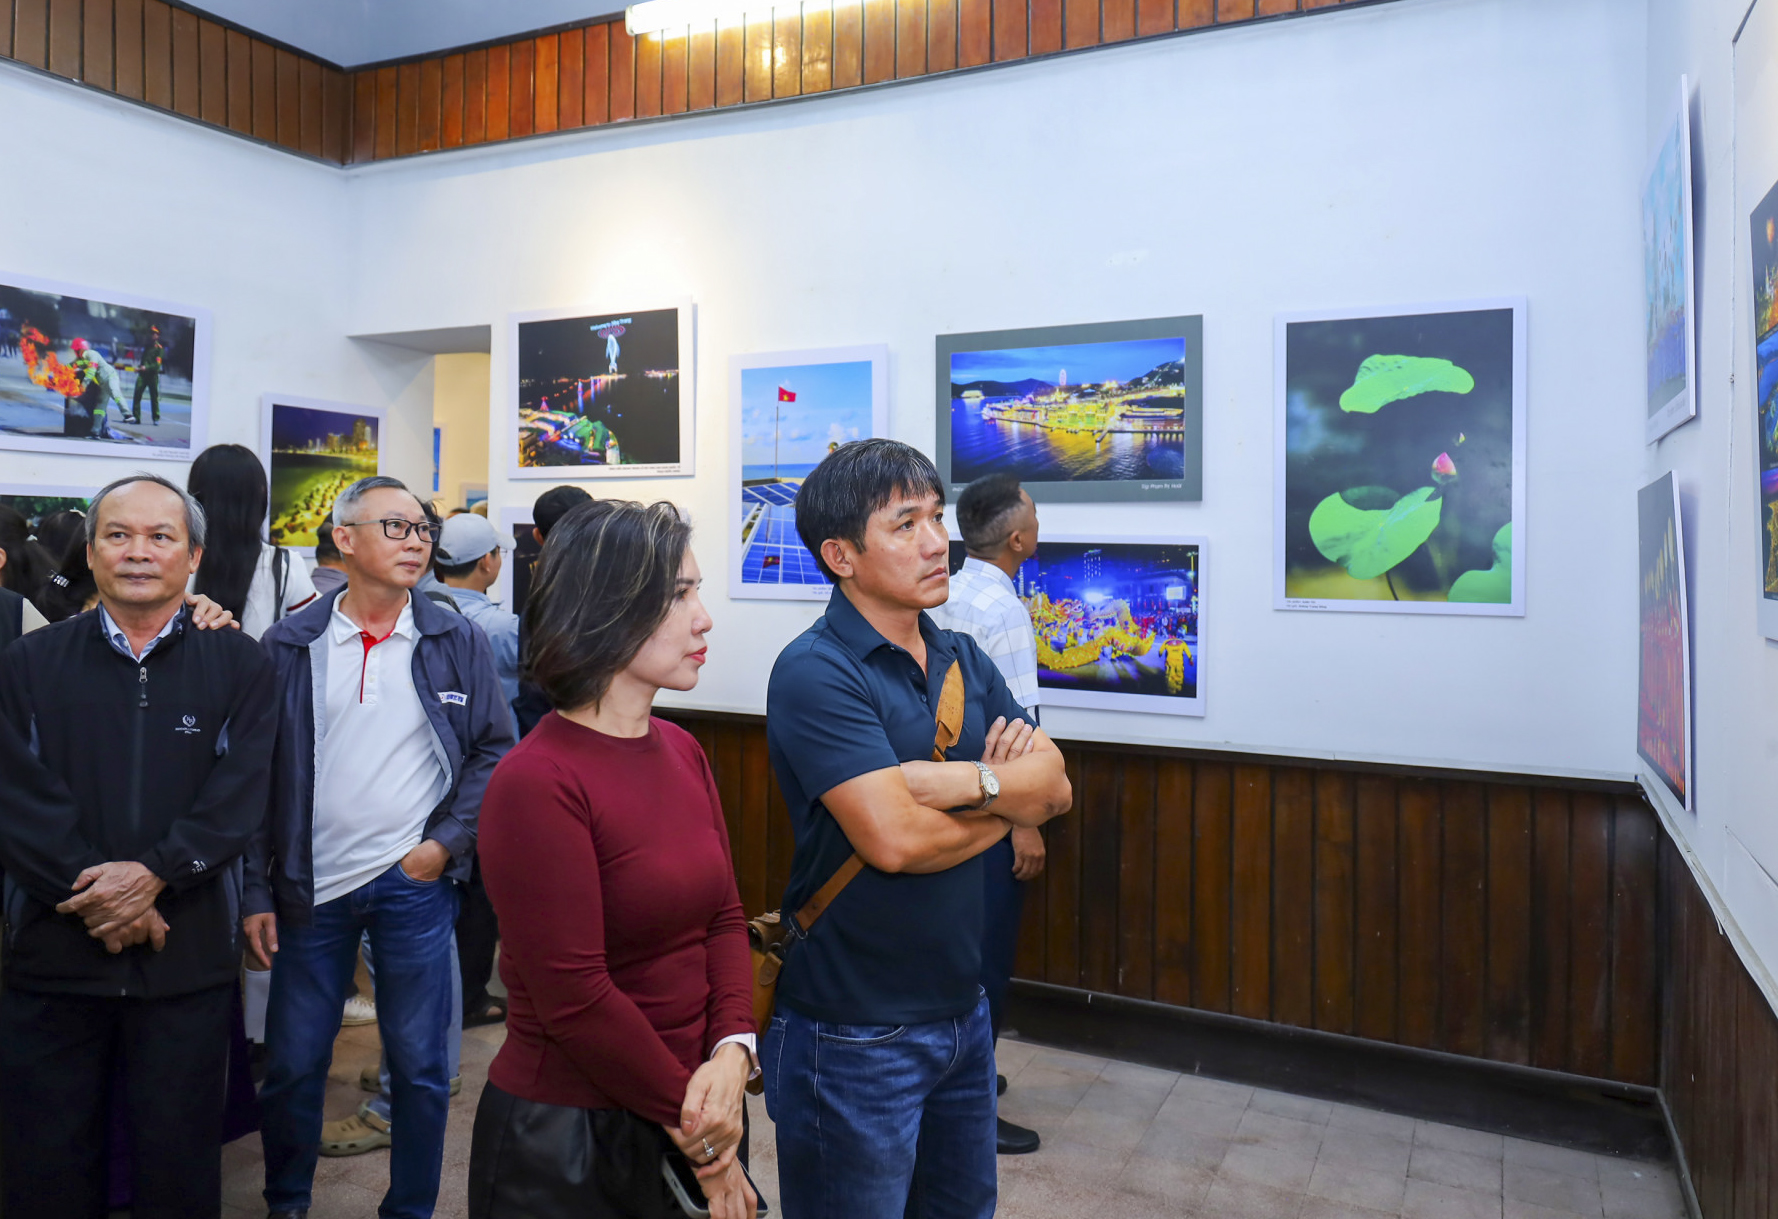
<point>378,774</point>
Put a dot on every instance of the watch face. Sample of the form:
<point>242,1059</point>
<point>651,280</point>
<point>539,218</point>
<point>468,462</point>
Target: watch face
<point>990,783</point>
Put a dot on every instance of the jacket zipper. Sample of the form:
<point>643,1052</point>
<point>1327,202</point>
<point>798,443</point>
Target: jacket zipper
<point>136,751</point>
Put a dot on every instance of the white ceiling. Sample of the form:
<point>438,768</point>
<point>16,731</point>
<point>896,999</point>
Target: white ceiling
<point>353,32</point>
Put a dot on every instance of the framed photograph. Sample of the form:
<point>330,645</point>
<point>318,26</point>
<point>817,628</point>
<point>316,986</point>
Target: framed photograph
<point>313,450</point>
<point>1667,277</point>
<point>101,373</point>
<point>787,411</point>
<point>1119,623</point>
<point>437,456</point>
<point>1764,223</point>
<point>471,494</point>
<point>1110,411</point>
<point>514,584</point>
<point>601,394</point>
<point>1399,460</point>
<point>1664,685</point>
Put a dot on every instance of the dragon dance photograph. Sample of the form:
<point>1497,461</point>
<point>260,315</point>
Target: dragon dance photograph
<point>1117,623</point>
<point>602,393</point>
<point>79,374</point>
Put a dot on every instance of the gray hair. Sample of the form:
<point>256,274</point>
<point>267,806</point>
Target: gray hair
<point>345,506</point>
<point>194,511</point>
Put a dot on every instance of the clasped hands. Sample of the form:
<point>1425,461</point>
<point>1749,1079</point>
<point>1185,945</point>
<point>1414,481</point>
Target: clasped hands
<point>934,785</point>
<point>711,1118</point>
<point>116,902</point>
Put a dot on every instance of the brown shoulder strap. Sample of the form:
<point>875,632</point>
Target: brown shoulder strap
<point>947,730</point>
<point>950,712</point>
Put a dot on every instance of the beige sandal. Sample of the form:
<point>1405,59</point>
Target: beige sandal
<point>350,1136</point>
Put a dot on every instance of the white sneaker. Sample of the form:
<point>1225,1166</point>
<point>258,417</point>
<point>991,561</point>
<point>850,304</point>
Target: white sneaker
<point>359,1010</point>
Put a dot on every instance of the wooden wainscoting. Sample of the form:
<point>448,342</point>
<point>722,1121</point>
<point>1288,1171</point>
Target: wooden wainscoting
<point>1498,919</point>
<point>1719,1060</point>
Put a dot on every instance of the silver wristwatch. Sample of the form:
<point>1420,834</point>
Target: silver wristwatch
<point>990,786</point>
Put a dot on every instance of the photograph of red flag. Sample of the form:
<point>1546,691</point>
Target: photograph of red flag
<point>785,395</point>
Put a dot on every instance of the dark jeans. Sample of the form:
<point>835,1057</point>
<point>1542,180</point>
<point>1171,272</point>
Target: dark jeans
<point>478,931</point>
<point>883,1121</point>
<point>1003,902</point>
<point>410,924</point>
<point>57,1055</point>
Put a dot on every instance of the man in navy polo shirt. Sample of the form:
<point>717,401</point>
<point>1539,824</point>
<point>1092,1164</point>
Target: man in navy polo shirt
<point>884,991</point>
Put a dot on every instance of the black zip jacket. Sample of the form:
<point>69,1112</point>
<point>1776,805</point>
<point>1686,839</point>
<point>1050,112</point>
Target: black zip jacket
<point>166,762</point>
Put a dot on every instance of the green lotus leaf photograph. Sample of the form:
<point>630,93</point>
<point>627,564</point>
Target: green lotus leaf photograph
<point>1400,465</point>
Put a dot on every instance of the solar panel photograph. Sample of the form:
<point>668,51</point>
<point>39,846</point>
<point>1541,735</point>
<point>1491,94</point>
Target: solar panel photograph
<point>792,416</point>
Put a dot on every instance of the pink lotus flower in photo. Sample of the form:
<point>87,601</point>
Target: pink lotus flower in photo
<point>1444,466</point>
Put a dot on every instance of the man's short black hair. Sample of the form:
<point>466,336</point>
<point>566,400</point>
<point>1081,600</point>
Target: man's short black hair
<point>555,504</point>
<point>856,480</point>
<point>984,512</point>
<point>325,547</point>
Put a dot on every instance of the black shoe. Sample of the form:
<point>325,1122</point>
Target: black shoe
<point>1011,1140</point>
<point>1000,1085</point>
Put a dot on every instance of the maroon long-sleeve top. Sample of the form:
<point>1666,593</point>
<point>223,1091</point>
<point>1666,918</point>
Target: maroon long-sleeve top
<point>622,941</point>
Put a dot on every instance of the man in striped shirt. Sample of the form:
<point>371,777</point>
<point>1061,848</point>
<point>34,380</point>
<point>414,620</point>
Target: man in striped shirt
<point>999,526</point>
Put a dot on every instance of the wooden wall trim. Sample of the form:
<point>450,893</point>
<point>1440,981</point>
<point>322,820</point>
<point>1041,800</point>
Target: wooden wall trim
<point>1511,921</point>
<point>179,60</point>
<point>175,59</point>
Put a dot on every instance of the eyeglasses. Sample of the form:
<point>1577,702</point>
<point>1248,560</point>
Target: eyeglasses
<point>396,529</point>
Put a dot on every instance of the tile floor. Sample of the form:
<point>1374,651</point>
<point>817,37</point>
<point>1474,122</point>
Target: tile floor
<point>1126,1142</point>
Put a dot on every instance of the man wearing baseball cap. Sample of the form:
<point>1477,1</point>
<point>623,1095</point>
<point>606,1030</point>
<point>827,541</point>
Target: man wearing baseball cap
<point>470,555</point>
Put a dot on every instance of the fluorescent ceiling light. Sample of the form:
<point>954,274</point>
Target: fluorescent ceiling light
<point>653,16</point>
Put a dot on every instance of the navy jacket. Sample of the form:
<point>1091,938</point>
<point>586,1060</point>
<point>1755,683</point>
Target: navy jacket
<point>162,761</point>
<point>472,730</point>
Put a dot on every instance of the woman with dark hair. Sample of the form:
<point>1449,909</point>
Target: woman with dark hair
<point>70,589</point>
<point>24,565</point>
<point>630,1034</point>
<point>56,530</point>
<point>259,583</point>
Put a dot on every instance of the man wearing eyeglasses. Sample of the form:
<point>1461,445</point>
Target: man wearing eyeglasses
<point>393,719</point>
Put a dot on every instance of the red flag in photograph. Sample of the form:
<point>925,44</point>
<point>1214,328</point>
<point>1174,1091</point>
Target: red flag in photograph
<point>785,395</point>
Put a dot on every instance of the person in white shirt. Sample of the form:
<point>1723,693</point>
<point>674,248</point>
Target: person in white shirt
<point>999,526</point>
<point>257,582</point>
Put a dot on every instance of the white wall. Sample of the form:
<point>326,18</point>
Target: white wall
<point>1430,150</point>
<point>1734,833</point>
<point>144,203</point>
<point>352,32</point>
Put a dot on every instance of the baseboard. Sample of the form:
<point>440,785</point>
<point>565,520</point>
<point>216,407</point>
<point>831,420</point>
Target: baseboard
<point>1574,1111</point>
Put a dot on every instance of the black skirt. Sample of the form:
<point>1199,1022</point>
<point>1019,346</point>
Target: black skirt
<point>534,1161</point>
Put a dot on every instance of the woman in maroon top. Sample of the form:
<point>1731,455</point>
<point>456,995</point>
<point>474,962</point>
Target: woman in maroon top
<point>623,944</point>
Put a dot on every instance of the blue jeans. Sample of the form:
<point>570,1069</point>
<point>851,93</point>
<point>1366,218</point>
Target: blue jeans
<point>412,925</point>
<point>883,1121</point>
<point>382,1104</point>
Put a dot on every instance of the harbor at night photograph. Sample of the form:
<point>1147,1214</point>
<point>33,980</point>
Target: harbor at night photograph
<point>1103,411</point>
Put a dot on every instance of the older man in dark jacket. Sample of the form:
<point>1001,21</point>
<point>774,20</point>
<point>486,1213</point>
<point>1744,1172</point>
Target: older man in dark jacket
<point>146,748</point>
<point>393,719</point>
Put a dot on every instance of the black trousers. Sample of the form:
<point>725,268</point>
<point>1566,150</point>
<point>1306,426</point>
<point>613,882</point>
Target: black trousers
<point>478,931</point>
<point>1003,903</point>
<point>57,1055</point>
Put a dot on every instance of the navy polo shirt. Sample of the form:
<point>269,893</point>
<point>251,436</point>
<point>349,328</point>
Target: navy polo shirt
<point>843,702</point>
